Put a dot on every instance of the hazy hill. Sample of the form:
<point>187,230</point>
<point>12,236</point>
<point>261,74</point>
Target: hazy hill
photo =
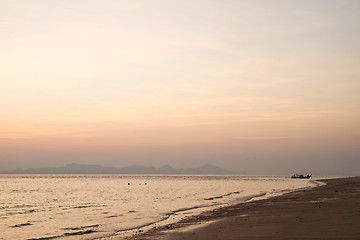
<point>135,169</point>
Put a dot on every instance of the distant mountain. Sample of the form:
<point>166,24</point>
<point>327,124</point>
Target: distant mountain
<point>135,169</point>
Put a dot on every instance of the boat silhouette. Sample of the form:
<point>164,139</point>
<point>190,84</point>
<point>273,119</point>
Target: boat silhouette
<point>301,176</point>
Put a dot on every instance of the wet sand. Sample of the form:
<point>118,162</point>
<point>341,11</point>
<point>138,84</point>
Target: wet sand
<point>326,212</point>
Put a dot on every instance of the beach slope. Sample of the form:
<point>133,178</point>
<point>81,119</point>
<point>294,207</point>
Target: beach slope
<point>326,212</point>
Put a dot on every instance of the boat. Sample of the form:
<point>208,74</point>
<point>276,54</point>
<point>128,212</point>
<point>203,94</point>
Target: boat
<point>301,176</point>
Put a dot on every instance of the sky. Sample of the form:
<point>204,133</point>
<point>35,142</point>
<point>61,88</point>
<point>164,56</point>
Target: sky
<point>262,87</point>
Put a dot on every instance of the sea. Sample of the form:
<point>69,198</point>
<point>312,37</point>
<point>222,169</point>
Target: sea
<point>117,206</point>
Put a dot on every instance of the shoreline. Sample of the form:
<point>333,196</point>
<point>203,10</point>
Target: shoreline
<point>329,211</point>
<point>177,218</point>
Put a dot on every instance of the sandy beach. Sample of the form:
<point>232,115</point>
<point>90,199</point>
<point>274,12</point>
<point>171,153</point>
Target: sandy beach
<point>331,211</point>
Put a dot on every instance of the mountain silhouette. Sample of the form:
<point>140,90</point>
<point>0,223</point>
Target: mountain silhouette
<point>74,168</point>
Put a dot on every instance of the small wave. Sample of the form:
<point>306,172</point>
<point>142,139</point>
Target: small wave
<point>225,195</point>
<point>83,206</point>
<point>23,212</point>
<point>82,227</point>
<point>18,206</point>
<point>44,238</point>
<point>212,198</point>
<point>79,233</point>
<point>250,197</point>
<point>64,235</point>
<point>20,225</point>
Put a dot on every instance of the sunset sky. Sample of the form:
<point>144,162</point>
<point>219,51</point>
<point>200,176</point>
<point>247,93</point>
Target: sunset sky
<point>264,87</point>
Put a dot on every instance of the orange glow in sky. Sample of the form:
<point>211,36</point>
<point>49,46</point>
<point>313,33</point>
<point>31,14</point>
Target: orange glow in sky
<point>180,81</point>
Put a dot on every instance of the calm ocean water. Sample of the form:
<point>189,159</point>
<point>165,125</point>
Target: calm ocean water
<point>96,206</point>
